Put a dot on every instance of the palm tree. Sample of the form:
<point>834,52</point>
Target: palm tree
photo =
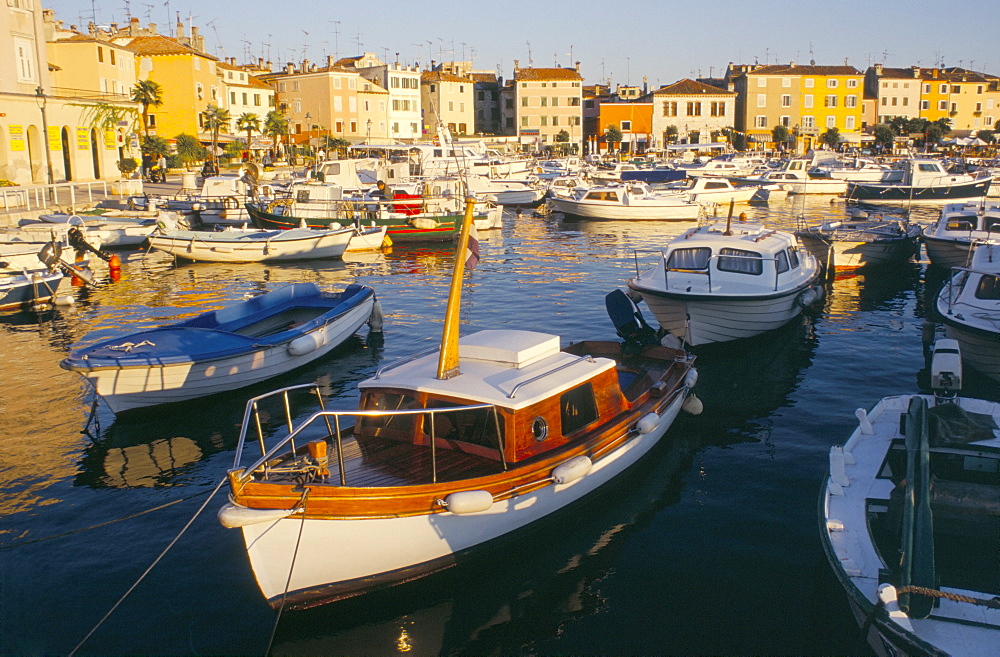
<point>249,123</point>
<point>148,94</point>
<point>275,125</point>
<point>215,119</point>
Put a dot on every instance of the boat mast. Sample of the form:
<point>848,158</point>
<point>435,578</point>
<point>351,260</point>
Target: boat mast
<point>448,359</point>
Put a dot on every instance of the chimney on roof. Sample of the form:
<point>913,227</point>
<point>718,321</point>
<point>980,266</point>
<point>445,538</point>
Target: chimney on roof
<point>305,66</point>
<point>289,68</point>
<point>517,66</point>
<point>577,66</point>
<point>270,65</point>
<point>179,29</point>
<point>114,27</point>
<point>791,64</point>
<point>878,69</point>
<point>916,71</point>
<point>329,61</point>
<point>152,28</point>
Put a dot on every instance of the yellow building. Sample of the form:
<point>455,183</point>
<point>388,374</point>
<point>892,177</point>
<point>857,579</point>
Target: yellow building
<point>540,103</point>
<point>189,80</point>
<point>807,100</point>
<point>448,99</point>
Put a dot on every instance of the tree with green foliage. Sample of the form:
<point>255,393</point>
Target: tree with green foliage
<point>148,94</point>
<point>155,146</point>
<point>189,149</point>
<point>562,138</point>
<point>780,135</point>
<point>830,138</point>
<point>884,136</point>
<point>613,136</point>
<point>275,125</point>
<point>248,123</point>
<point>127,165</point>
<point>670,134</point>
<point>215,119</point>
<point>989,136</point>
<point>936,130</point>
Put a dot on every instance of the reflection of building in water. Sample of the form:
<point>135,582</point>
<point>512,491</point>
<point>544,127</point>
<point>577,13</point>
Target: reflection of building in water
<point>146,465</point>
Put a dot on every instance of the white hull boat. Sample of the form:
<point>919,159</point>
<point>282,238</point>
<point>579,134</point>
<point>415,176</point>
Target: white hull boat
<point>631,202</point>
<point>446,451</point>
<point>969,305</point>
<point>857,243</point>
<point>726,281</point>
<point>709,189</point>
<point>221,350</point>
<point>909,520</point>
<point>253,245</point>
<point>951,240</point>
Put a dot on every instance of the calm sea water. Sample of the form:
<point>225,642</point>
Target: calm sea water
<point>710,545</point>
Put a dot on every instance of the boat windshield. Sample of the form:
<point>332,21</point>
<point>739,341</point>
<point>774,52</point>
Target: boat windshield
<point>696,258</point>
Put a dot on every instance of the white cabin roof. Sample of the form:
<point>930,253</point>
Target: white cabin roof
<point>493,364</point>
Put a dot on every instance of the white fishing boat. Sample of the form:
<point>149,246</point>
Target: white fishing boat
<point>951,239</point>
<point>505,192</point>
<point>709,189</point>
<point>447,450</point>
<point>861,241</point>
<point>728,280</point>
<point>225,349</point>
<point>909,519</point>
<point>633,202</point>
<point>112,229</point>
<point>794,179</point>
<point>30,287</point>
<point>969,306</point>
<point>253,244</point>
<point>923,181</point>
<point>858,169</point>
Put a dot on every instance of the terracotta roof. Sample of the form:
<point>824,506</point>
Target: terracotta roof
<point>86,38</point>
<point>523,74</point>
<point>483,78</point>
<point>258,84</point>
<point>689,87</point>
<point>161,45</point>
<point>440,76</point>
<point>799,69</point>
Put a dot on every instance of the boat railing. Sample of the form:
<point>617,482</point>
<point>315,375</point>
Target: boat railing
<point>559,368</point>
<point>706,269</point>
<point>266,465</point>
<point>401,361</point>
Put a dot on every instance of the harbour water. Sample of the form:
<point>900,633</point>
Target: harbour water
<point>710,545</point>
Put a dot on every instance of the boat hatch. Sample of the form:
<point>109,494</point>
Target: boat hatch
<point>516,349</point>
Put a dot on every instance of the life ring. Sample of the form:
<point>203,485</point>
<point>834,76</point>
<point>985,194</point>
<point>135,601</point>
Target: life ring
<point>231,203</point>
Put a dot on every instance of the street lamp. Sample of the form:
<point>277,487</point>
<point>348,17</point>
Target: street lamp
<point>368,126</point>
<point>41,100</point>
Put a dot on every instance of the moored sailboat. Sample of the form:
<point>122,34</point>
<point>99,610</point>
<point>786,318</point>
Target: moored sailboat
<point>447,450</point>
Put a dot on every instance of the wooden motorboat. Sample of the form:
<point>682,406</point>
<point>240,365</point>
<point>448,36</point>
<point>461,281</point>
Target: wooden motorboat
<point>951,239</point>
<point>861,242</point>
<point>909,519</point>
<point>728,280</point>
<point>923,181</point>
<point>447,450</point>
<point>633,202</point>
<point>253,244</point>
<point>31,287</point>
<point>969,306</point>
<point>225,349</point>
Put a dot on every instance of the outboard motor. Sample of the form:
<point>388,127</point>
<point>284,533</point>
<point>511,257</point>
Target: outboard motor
<point>628,320</point>
<point>946,370</point>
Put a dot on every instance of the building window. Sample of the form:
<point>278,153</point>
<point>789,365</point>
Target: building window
<point>545,120</point>
<point>849,123</point>
<point>831,84</point>
<point>885,101</point>
<point>626,126</point>
<point>256,100</point>
<point>785,121</point>
<point>852,84</point>
<point>808,121</point>
<point>807,101</point>
<point>545,101</point>
<point>760,121</point>
<point>100,54</point>
<point>786,82</point>
<point>232,97</point>
<point>852,101</point>
<point>524,101</point>
<point>830,101</point>
<point>555,120</point>
<point>244,98</point>
<point>809,83</point>
<point>906,101</point>
<point>761,100</point>
<point>761,82</point>
<point>831,122</point>
<point>943,105</point>
<point>352,83</point>
<point>524,122</point>
<point>555,101</point>
<point>24,50</point>
<point>925,104</point>
<point>786,100</point>
<point>943,89</point>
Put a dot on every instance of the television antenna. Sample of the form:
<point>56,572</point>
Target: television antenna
<point>336,39</point>
<point>219,49</point>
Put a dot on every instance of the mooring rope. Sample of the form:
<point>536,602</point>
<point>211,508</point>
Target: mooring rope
<point>151,566</point>
<point>281,608</point>
<point>992,603</point>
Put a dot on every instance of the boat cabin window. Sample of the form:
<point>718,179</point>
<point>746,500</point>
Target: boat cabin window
<point>601,196</point>
<point>988,288</point>
<point>740,261</point>
<point>712,184</point>
<point>781,262</point>
<point>396,427</point>
<point>793,257</point>
<point>958,224</point>
<point>930,167</point>
<point>302,195</point>
<point>476,427</point>
<point>689,258</point>
<point>577,408</point>
<point>991,224</point>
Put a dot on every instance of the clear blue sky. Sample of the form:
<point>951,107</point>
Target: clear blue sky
<point>663,40</point>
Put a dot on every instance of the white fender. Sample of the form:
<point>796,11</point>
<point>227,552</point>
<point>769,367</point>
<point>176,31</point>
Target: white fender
<point>691,378</point>
<point>469,501</point>
<point>572,469</point>
<point>304,345</point>
<point>234,516</point>
<point>693,405</point>
<point>63,301</point>
<point>647,423</point>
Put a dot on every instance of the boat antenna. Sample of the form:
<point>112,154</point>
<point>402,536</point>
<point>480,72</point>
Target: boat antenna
<point>729,219</point>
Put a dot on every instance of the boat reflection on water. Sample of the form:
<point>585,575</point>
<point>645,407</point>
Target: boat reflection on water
<point>874,289</point>
<point>514,592</point>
